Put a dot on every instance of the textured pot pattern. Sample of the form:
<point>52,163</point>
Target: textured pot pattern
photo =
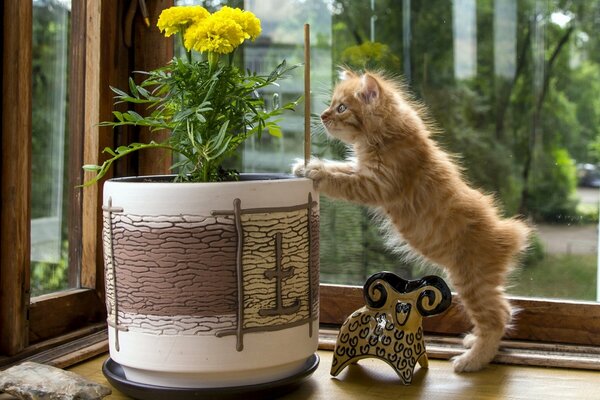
<point>230,271</point>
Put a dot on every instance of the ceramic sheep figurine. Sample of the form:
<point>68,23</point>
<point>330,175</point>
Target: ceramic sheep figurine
<point>389,326</point>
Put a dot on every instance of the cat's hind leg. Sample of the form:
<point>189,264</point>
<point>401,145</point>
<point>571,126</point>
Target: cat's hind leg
<point>469,340</point>
<point>486,305</point>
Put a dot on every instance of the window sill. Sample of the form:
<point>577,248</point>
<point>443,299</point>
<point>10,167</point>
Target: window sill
<point>76,348</point>
<point>65,350</point>
<point>373,379</point>
<point>511,352</point>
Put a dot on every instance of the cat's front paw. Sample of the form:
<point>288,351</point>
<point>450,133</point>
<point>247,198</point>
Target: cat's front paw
<point>313,170</point>
<point>298,168</point>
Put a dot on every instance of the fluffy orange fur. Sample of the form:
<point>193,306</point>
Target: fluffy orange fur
<point>402,172</point>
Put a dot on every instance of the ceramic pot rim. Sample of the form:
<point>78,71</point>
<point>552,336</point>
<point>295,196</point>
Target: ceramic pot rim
<point>244,178</point>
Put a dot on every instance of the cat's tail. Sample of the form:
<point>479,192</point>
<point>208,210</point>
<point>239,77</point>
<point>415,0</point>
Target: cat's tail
<point>518,234</point>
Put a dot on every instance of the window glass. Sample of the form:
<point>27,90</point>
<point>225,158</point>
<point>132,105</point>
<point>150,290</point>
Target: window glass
<point>513,85</point>
<point>49,248</point>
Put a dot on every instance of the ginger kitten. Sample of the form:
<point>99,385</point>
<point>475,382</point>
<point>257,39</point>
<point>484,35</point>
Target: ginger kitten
<point>419,190</point>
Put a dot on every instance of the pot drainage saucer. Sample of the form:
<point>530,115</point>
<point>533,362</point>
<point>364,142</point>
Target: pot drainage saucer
<point>115,375</point>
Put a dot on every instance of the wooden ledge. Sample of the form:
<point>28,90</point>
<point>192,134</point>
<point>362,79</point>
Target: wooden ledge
<point>373,379</point>
<point>511,352</point>
<point>76,348</point>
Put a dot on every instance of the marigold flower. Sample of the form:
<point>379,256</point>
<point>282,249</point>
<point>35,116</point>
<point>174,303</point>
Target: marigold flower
<point>177,19</point>
<point>216,34</point>
<point>245,19</point>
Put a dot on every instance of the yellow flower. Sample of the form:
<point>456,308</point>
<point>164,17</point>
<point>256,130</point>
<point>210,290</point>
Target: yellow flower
<point>245,19</point>
<point>215,34</point>
<point>177,19</point>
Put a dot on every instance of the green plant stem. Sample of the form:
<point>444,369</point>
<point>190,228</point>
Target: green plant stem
<point>205,173</point>
<point>213,61</point>
<point>187,52</point>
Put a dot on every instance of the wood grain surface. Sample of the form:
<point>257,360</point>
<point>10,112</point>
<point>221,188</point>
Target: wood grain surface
<point>15,189</point>
<point>372,379</point>
<point>538,320</point>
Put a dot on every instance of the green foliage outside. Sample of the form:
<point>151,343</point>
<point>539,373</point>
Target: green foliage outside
<point>559,276</point>
<point>51,32</point>
<point>49,29</point>
<point>518,136</point>
<point>50,277</point>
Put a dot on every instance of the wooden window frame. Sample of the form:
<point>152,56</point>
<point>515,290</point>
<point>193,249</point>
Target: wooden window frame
<point>97,62</point>
<point>15,193</point>
<point>537,320</point>
<point>99,59</point>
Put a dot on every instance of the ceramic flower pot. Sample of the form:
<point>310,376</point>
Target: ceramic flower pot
<point>211,284</point>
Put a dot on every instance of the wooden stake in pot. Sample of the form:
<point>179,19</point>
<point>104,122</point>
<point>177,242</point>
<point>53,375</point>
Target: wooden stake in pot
<point>306,93</point>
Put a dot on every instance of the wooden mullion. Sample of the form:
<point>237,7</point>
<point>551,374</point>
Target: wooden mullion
<point>107,64</point>
<point>152,50</point>
<point>16,175</point>
<point>91,144</point>
<point>538,320</point>
<point>76,138</point>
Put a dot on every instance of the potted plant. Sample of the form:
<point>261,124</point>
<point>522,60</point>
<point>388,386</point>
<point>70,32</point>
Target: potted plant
<point>211,276</point>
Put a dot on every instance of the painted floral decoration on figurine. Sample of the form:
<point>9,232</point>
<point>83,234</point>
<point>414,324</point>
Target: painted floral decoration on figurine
<point>209,105</point>
<point>389,326</point>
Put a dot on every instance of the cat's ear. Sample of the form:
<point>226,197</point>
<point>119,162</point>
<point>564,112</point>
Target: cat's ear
<point>369,90</point>
<point>345,74</point>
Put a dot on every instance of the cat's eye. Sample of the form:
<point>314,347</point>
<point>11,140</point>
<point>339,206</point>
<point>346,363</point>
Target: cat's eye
<point>341,108</point>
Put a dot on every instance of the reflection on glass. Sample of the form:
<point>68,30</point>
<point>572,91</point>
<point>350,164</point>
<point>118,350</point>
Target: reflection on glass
<point>464,20</point>
<point>505,38</point>
<point>282,38</point>
<point>49,270</point>
<point>514,86</point>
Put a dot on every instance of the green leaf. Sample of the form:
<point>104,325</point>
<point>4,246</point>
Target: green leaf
<point>222,149</point>
<point>143,92</point>
<point>136,116</point>
<point>222,133</point>
<point>109,151</point>
<point>119,92</point>
<point>274,129</point>
<point>133,88</point>
<point>118,115</point>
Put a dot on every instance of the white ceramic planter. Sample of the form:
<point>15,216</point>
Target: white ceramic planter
<point>211,284</point>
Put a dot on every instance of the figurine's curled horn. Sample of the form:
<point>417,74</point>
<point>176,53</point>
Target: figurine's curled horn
<point>434,296</point>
